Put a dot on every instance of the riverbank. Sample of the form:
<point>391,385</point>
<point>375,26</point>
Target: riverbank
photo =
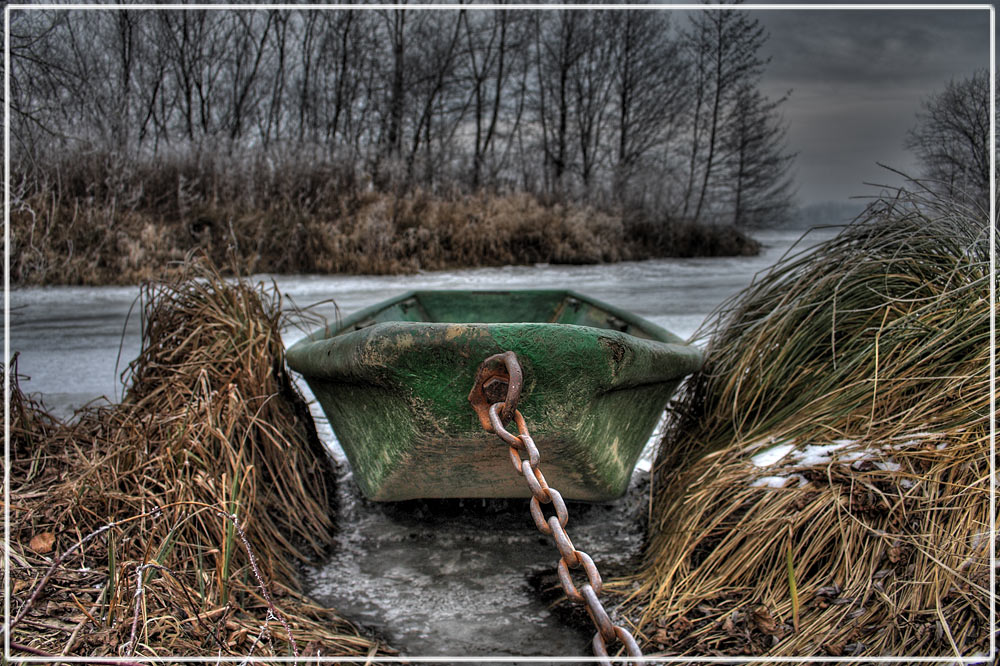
<point>677,294</point>
<point>100,227</point>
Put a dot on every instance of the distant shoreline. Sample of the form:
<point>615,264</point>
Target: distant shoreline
<point>81,242</point>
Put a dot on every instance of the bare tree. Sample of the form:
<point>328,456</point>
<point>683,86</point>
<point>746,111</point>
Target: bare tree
<point>605,106</point>
<point>650,95</point>
<point>194,43</point>
<point>431,67</point>
<point>726,46</point>
<point>41,71</point>
<point>342,84</point>
<point>592,82</point>
<point>756,165</point>
<point>275,80</point>
<point>559,43</point>
<point>952,139</point>
<point>395,24</point>
<point>489,66</point>
<point>247,37</point>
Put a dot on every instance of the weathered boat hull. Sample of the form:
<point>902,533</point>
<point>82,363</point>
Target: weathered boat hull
<point>394,380</point>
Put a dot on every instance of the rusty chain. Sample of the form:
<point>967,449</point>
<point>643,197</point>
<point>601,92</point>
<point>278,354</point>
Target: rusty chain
<point>494,397</point>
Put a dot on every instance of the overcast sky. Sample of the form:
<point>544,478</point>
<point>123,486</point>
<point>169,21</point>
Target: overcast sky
<point>857,79</point>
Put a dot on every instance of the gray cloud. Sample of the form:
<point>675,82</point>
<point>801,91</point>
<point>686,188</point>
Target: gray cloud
<point>857,79</point>
<point>901,48</point>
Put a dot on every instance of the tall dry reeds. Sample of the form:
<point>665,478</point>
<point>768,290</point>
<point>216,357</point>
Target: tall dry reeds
<point>171,524</point>
<point>824,489</point>
<point>94,220</point>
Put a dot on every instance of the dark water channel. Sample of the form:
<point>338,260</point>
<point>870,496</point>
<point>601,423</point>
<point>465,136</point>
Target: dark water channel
<point>434,578</point>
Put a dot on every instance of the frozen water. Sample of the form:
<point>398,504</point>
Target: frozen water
<point>779,481</point>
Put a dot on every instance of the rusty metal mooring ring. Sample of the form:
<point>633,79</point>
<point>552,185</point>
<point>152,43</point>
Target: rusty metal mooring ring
<point>498,379</point>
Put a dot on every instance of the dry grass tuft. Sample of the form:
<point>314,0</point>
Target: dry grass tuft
<point>211,428</point>
<point>876,347</point>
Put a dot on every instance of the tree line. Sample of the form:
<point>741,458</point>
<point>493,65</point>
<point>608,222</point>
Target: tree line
<point>627,108</point>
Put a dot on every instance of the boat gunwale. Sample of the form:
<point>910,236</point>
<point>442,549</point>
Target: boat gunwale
<point>657,333</point>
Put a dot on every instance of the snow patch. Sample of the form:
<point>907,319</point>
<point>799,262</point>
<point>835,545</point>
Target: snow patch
<point>815,455</point>
<point>770,482</point>
<point>857,456</point>
<point>779,481</point>
<point>770,456</point>
<point>819,454</point>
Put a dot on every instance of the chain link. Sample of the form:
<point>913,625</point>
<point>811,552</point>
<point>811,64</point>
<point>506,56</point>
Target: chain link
<point>554,526</point>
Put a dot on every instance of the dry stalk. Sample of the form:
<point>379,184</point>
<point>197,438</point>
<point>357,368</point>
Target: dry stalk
<point>272,612</point>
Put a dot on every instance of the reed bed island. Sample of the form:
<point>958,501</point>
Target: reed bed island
<point>92,222</point>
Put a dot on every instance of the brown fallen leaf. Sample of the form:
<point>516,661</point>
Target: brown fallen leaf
<point>765,622</point>
<point>42,543</point>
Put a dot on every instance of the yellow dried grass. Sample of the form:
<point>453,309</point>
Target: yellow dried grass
<point>878,341</point>
<point>211,428</point>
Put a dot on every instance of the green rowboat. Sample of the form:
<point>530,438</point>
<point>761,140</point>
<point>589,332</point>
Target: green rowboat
<point>394,381</point>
